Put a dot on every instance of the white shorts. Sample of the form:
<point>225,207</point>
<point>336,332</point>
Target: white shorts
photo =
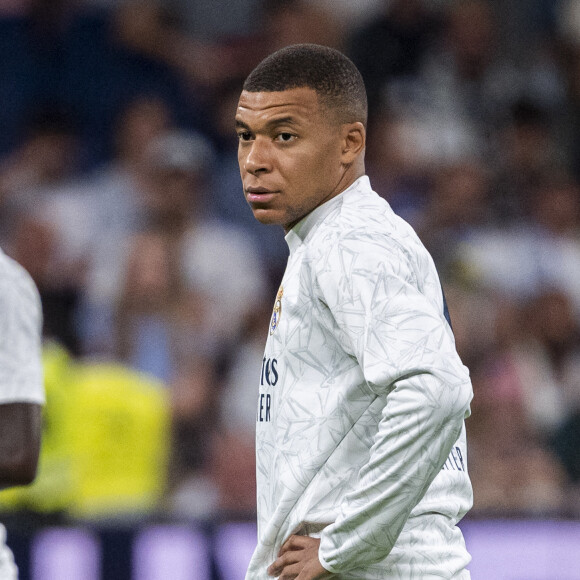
<point>8,569</point>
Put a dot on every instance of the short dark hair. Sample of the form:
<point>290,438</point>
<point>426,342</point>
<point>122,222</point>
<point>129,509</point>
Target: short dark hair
<point>327,71</point>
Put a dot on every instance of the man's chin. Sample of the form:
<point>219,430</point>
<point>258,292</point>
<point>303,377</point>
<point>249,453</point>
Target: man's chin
<point>268,217</point>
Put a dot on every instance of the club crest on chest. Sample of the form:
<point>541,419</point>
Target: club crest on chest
<point>277,313</point>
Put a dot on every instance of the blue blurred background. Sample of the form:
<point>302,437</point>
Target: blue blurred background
<point>120,193</point>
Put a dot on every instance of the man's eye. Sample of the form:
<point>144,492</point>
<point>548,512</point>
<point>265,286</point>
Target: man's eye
<point>285,137</point>
<point>244,136</point>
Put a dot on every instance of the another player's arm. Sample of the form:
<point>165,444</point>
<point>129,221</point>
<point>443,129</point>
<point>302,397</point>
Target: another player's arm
<point>21,378</point>
<point>20,431</point>
<point>408,357</point>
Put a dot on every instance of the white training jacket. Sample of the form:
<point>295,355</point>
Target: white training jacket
<point>360,423</point>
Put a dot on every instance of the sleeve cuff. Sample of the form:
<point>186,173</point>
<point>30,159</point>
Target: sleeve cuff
<point>326,565</point>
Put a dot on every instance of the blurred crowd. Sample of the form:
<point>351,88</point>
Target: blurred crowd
<point>120,193</point>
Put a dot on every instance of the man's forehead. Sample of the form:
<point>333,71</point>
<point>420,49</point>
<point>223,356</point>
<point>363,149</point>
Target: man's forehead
<point>300,101</point>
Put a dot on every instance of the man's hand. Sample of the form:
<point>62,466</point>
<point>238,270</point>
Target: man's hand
<point>298,558</point>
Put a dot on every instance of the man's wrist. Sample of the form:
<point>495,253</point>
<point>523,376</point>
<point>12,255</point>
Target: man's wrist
<point>324,563</point>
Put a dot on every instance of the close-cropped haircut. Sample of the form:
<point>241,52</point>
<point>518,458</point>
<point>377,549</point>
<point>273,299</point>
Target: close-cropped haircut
<point>334,77</point>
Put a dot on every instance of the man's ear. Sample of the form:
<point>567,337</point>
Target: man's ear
<point>353,142</point>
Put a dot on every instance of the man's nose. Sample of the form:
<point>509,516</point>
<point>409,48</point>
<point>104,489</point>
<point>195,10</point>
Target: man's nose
<point>258,157</point>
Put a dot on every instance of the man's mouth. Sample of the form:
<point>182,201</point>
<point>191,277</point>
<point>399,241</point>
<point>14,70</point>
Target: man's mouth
<point>259,194</point>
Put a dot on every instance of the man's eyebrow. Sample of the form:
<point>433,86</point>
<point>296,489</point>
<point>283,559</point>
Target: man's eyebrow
<point>281,121</point>
<point>270,124</point>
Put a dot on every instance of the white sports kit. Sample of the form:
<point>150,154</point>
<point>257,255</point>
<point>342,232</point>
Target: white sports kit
<point>21,379</point>
<point>360,421</point>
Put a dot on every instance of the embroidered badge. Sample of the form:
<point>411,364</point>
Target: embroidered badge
<point>277,311</point>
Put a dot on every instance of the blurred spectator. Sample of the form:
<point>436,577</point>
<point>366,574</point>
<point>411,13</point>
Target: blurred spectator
<point>130,54</point>
<point>13,7</point>
<point>195,395</point>
<point>221,19</point>
<point>237,411</point>
<point>465,71</point>
<point>47,160</point>
<point>93,59</point>
<point>232,464</point>
<point>465,83</point>
<point>233,469</point>
<point>396,165</point>
<point>568,44</point>
<point>393,44</point>
<point>566,445</point>
<point>526,25</point>
<point>526,150</point>
<point>407,147</point>
<point>32,179</point>
<point>526,390</point>
<point>147,307</point>
<point>549,362</point>
<point>279,23</point>
<point>474,313</point>
<point>88,218</point>
<point>458,206</point>
<point>542,250</point>
<point>212,20</point>
<point>351,15</point>
<point>155,30</point>
<point>288,22</point>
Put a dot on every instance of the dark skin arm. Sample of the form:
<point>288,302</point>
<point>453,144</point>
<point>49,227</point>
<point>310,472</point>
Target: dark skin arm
<point>298,558</point>
<point>20,430</point>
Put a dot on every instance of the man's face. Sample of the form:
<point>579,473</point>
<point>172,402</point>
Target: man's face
<point>289,154</point>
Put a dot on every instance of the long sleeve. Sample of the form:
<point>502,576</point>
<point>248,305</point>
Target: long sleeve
<point>393,325</point>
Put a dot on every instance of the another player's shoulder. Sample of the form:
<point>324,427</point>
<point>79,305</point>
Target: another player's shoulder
<point>16,284</point>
